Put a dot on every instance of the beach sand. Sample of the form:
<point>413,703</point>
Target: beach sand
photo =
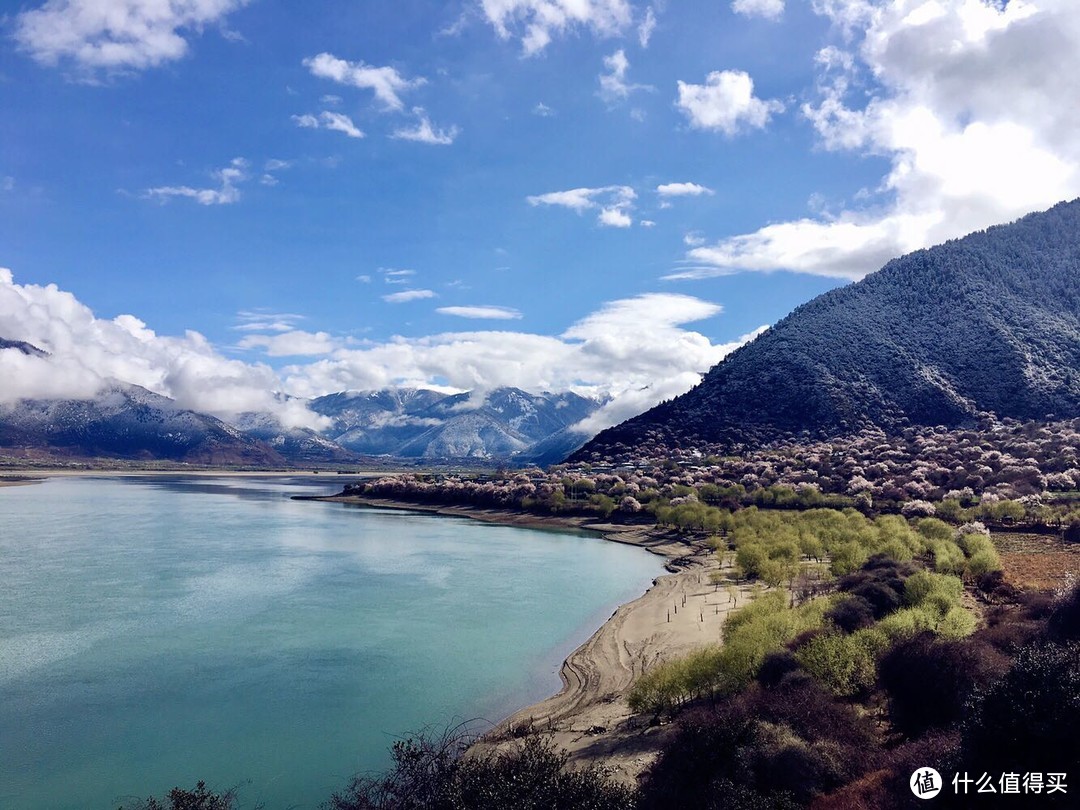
<point>589,717</point>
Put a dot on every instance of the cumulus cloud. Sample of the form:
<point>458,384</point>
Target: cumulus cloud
<point>968,99</point>
<point>769,9</point>
<point>481,312</point>
<point>613,202</point>
<point>385,82</point>
<point>117,34</point>
<point>87,353</point>
<point>543,110</point>
<point>338,122</point>
<point>682,190</point>
<point>226,194</point>
<point>725,103</point>
<point>407,295</point>
<point>424,132</point>
<point>536,22</point>
<point>613,84</point>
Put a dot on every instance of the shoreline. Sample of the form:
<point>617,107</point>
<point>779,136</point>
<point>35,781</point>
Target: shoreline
<point>589,716</point>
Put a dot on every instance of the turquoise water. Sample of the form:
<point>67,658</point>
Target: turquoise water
<point>157,632</point>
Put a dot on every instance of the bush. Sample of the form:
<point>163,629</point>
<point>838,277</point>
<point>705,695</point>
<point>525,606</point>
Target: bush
<point>179,799</point>
<point>845,664</point>
<point>851,614</point>
<point>431,773</point>
<point>929,681</point>
<point>1027,720</point>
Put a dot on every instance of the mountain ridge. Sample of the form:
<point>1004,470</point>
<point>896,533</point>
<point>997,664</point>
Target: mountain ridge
<point>986,323</point>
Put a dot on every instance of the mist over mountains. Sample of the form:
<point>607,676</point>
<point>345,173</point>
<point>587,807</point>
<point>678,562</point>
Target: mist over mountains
<point>129,422</point>
<point>985,324</point>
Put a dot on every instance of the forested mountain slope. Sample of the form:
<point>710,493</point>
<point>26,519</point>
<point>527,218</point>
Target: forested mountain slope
<point>987,323</point>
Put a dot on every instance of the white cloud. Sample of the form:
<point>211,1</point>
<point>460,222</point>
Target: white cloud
<point>968,101</point>
<point>615,218</point>
<point>338,122</point>
<point>613,84</point>
<point>682,190</point>
<point>291,343</point>
<point>228,193</point>
<point>86,353</point>
<point>385,82</point>
<point>535,22</point>
<point>424,132</point>
<point>484,311</point>
<point>769,9</point>
<point>265,321</point>
<point>646,27</point>
<point>647,223</point>
<point>614,202</point>
<point>725,103</point>
<point>8,183</point>
<point>635,350</point>
<point>407,295</point>
<point>543,110</point>
<point>396,276</point>
<point>115,34</point>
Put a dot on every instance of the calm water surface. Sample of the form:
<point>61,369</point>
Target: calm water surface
<point>154,632</point>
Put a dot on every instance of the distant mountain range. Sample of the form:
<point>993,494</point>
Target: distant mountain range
<point>418,423</point>
<point>129,422</point>
<point>987,323</point>
<point>126,421</point>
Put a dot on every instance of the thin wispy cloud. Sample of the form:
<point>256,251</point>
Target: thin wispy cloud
<point>225,194</point>
<point>386,83</point>
<point>614,85</point>
<point>768,9</point>
<point>614,203</point>
<point>424,132</point>
<point>327,119</point>
<point>481,312</point>
<point>536,22</point>
<point>407,295</point>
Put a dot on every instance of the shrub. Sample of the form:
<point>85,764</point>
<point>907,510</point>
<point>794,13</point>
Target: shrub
<point>851,614</point>
<point>929,681</point>
<point>432,773</point>
<point>1027,720</point>
<point>843,663</point>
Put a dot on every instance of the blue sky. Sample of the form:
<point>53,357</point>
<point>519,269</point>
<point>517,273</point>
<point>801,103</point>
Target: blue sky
<point>239,197</point>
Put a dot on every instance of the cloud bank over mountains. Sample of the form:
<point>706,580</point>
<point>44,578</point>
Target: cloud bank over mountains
<point>963,97</point>
<point>635,350</point>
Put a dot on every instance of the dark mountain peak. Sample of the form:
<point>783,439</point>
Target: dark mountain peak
<point>987,323</point>
<point>22,346</point>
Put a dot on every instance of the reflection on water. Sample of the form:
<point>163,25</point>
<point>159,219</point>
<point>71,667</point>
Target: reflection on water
<point>158,631</point>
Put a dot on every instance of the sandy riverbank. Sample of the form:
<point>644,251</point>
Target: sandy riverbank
<point>682,611</point>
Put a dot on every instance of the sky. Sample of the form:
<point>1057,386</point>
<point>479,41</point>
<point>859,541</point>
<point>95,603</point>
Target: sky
<point>227,201</point>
